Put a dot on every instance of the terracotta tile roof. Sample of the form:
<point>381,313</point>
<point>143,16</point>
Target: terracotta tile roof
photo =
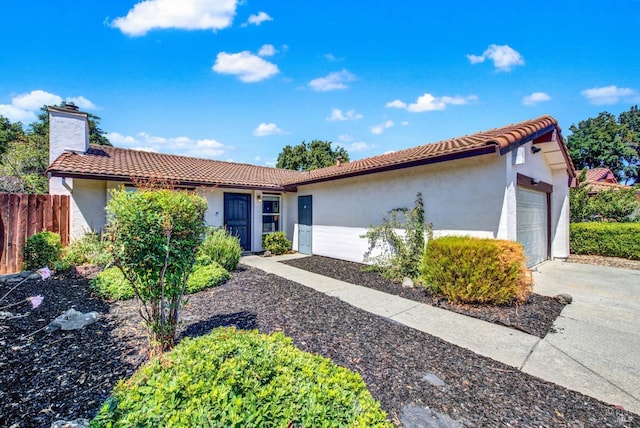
<point>499,139</point>
<point>111,163</point>
<point>117,164</point>
<point>599,174</point>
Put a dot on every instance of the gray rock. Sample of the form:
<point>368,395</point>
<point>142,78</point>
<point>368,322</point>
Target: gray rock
<point>433,379</point>
<point>407,282</point>
<point>72,320</point>
<point>76,423</point>
<point>565,299</point>
<point>424,417</point>
<point>267,254</point>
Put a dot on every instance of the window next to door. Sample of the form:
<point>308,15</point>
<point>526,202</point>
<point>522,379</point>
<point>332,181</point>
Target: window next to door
<point>270,214</point>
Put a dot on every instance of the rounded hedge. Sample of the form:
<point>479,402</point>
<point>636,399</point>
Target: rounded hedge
<point>235,378</point>
<point>42,249</point>
<point>207,276</point>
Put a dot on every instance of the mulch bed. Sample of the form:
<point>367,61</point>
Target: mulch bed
<point>535,316</point>
<point>67,375</point>
<point>605,261</point>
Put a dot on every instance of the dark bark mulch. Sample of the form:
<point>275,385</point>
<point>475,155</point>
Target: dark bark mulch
<point>535,316</point>
<point>61,375</point>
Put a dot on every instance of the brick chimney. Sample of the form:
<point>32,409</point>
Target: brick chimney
<point>68,131</point>
<point>339,161</point>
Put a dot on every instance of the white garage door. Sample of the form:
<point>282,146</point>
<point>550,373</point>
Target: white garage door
<point>532,224</point>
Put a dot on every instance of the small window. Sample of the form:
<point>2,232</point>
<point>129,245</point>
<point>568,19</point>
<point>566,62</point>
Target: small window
<point>270,214</point>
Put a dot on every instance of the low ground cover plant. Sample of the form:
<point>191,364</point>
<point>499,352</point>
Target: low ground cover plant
<point>42,249</point>
<point>88,250</point>
<point>220,247</point>
<point>606,239</point>
<point>277,243</point>
<point>474,270</point>
<point>241,378</point>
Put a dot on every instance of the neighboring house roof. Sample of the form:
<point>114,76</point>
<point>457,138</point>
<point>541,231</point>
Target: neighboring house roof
<point>116,164</point>
<point>599,174</point>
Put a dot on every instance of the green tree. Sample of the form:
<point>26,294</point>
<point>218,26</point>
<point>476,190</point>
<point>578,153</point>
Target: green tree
<point>26,156</point>
<point>154,236</point>
<point>609,142</point>
<point>308,156</point>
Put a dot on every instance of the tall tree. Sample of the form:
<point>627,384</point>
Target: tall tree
<point>308,156</point>
<point>605,141</point>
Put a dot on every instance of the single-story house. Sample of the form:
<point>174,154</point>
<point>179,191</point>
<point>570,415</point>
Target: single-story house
<point>508,183</point>
<point>599,179</point>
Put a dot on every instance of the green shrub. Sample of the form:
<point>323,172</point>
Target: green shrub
<point>277,243</point>
<point>473,270</point>
<point>206,276</point>
<point>154,235</point>
<point>241,378</point>
<point>220,247</point>
<point>88,250</point>
<point>606,239</point>
<point>112,285</point>
<point>42,249</point>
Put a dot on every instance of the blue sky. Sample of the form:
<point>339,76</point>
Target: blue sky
<point>239,80</point>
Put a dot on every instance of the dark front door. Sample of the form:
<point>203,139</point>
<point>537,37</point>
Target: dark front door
<point>305,221</point>
<point>237,217</point>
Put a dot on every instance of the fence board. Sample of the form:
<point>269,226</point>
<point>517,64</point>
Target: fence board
<point>22,216</point>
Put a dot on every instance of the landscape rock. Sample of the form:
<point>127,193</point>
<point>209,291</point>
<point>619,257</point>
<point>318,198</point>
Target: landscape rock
<point>424,417</point>
<point>72,320</point>
<point>267,254</point>
<point>76,423</point>
<point>565,299</point>
<point>433,379</point>
<point>407,282</point>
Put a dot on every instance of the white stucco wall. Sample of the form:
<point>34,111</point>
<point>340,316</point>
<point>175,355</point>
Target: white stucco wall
<point>462,197</point>
<point>88,201</point>
<point>67,131</point>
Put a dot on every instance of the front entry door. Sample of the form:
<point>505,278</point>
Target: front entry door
<point>237,217</point>
<point>305,220</point>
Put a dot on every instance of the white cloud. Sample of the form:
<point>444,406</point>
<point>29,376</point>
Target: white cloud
<point>608,94</point>
<point>24,107</point>
<point>245,66</point>
<point>258,18</point>
<point>380,128</point>
<point>404,123</point>
<point>503,57</point>
<point>336,80</point>
<point>184,14</point>
<point>82,102</point>
<point>331,57</point>
<point>535,98</point>
<point>428,102</point>
<point>265,129</point>
<point>338,115</point>
<point>345,138</point>
<point>360,146</point>
<point>203,148</point>
<point>267,50</point>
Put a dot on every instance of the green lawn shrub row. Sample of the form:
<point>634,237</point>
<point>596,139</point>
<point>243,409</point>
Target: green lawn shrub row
<point>111,284</point>
<point>277,243</point>
<point>220,247</point>
<point>606,239</point>
<point>42,249</point>
<point>474,270</point>
<point>235,378</point>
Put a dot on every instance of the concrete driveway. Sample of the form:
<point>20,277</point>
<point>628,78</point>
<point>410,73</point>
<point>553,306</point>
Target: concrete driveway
<point>596,349</point>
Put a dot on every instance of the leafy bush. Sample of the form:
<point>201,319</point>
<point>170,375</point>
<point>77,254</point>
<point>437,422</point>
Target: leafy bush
<point>617,204</point>
<point>473,270</point>
<point>399,255</point>
<point>154,235</point>
<point>42,249</point>
<point>220,247</point>
<point>277,243</point>
<point>606,239</point>
<point>241,378</point>
<point>206,276</point>
<point>111,284</point>
<point>88,250</point>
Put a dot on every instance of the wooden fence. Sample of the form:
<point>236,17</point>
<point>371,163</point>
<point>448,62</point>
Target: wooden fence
<point>22,216</point>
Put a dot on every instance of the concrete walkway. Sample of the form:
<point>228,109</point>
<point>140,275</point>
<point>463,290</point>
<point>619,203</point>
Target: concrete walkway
<point>596,350</point>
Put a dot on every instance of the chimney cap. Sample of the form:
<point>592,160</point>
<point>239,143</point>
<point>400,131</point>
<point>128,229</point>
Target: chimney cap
<point>338,160</point>
<point>72,106</point>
